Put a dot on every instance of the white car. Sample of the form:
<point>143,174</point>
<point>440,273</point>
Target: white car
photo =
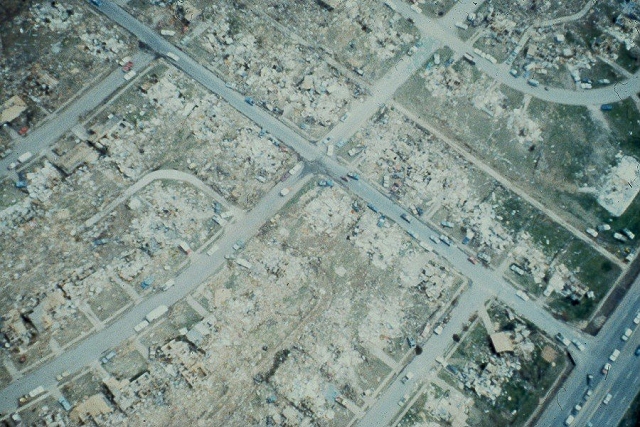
<point>614,355</point>
<point>626,335</point>
<point>637,319</point>
<point>607,399</point>
<point>578,344</point>
<point>522,295</point>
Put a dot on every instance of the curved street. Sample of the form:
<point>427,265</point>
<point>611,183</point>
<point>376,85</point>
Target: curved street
<point>485,282</point>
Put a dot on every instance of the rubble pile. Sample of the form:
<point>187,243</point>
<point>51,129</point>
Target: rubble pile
<point>381,245</point>
<point>564,281</point>
<point>43,182</point>
<point>56,16</point>
<point>165,215</point>
<point>415,167</point>
<point>529,257</point>
<point>526,130</point>
<point>491,371</point>
<point>328,213</point>
<point>363,35</point>
<point>104,44</point>
<point>620,186</point>
<point>488,381</point>
<point>487,226</point>
<point>445,83</point>
<point>291,78</point>
<point>453,408</point>
<point>56,49</point>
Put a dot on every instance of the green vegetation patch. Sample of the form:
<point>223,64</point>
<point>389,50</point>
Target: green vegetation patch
<point>184,316</point>
<point>126,365</point>
<point>83,386</point>
<point>521,393</point>
<point>632,416</point>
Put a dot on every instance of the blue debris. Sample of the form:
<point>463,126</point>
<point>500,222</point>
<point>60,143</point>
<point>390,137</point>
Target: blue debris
<point>147,282</point>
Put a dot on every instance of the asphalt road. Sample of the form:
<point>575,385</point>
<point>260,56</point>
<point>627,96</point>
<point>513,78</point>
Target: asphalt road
<point>57,125</point>
<point>421,366</point>
<point>483,278</point>
<point>201,267</point>
<point>623,381</point>
<point>486,283</point>
<point>500,72</point>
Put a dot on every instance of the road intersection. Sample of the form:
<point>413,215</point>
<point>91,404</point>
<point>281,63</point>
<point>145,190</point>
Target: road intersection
<point>485,283</point>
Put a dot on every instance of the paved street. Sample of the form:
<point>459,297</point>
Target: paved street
<point>485,282</point>
<point>385,411</point>
<point>623,380</point>
<point>49,132</point>
<point>500,72</point>
<point>200,268</point>
<point>164,174</point>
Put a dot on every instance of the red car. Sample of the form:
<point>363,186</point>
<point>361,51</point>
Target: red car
<point>127,67</point>
<point>23,131</point>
